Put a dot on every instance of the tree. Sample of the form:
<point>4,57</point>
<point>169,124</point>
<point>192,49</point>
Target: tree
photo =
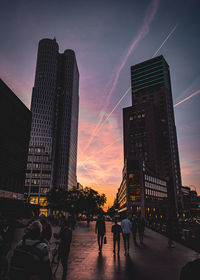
<point>92,201</point>
<point>75,201</point>
<point>57,199</point>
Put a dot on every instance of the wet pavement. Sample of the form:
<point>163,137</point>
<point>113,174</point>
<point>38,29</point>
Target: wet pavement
<point>152,261</point>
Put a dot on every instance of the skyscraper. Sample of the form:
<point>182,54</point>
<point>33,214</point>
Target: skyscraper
<point>55,102</point>
<point>149,125</point>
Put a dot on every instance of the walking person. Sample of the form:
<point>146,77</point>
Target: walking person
<point>100,229</point>
<point>140,227</point>
<point>6,238</point>
<point>116,230</point>
<point>190,270</point>
<point>65,236</point>
<point>30,259</point>
<point>46,229</point>
<point>126,230</point>
<point>134,229</point>
<point>170,232</point>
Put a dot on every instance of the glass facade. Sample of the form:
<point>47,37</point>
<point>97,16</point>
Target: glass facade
<point>151,88</point>
<point>150,138</point>
<point>55,101</point>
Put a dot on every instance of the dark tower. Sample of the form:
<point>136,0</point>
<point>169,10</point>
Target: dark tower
<point>66,131</point>
<point>55,102</point>
<point>149,125</point>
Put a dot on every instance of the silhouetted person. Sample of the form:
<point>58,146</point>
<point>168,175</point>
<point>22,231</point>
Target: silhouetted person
<point>190,271</point>
<point>116,230</point>
<point>88,221</point>
<point>170,232</point>
<point>100,229</point>
<point>126,230</point>
<point>31,256</point>
<point>134,229</point>
<point>6,238</point>
<point>140,227</point>
<point>65,237</point>
<point>46,229</point>
<point>73,222</point>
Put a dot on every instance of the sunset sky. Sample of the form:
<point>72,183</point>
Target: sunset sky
<point>109,36</point>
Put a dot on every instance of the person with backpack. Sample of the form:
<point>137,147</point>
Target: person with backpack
<point>30,260</point>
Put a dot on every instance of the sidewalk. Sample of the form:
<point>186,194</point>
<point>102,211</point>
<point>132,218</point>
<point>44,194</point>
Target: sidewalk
<point>153,261</point>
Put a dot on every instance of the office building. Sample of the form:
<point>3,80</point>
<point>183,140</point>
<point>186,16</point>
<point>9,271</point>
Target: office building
<point>15,126</point>
<point>141,191</point>
<point>149,126</point>
<point>55,101</point>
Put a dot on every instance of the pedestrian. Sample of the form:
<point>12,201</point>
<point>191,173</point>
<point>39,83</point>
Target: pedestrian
<point>30,259</point>
<point>46,229</point>
<point>126,230</point>
<point>6,238</point>
<point>170,231</point>
<point>140,227</point>
<point>116,230</point>
<point>100,229</point>
<point>88,220</point>
<point>134,229</point>
<point>190,270</point>
<point>65,236</point>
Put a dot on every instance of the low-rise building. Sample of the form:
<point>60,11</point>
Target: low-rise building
<point>141,191</point>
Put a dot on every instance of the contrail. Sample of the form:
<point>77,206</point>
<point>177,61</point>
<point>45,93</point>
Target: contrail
<point>188,90</point>
<point>149,16</point>
<point>171,32</point>
<point>100,124</point>
<point>126,92</point>
<point>165,40</point>
<point>92,178</point>
<point>187,98</point>
<point>175,105</point>
<point>116,141</point>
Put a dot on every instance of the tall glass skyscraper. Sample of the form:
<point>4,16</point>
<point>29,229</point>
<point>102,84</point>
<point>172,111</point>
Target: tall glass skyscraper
<point>55,102</point>
<point>149,126</point>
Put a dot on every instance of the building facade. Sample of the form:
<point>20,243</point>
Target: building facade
<point>149,127</point>
<point>54,132</point>
<point>15,126</point>
<point>141,191</point>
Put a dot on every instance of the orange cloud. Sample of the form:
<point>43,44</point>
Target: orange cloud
<point>101,166</point>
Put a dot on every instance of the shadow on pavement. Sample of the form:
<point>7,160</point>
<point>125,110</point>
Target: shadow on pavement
<point>100,267</point>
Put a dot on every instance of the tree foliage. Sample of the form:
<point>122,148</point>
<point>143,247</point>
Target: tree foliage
<point>56,199</point>
<point>87,200</point>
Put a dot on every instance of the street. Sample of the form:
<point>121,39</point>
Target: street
<point>153,261</point>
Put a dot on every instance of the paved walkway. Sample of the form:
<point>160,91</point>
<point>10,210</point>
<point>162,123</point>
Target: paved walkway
<point>153,261</point>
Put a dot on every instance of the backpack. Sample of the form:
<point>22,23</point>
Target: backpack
<point>26,262</point>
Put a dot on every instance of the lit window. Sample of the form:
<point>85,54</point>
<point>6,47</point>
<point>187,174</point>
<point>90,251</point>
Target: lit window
<point>131,176</point>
